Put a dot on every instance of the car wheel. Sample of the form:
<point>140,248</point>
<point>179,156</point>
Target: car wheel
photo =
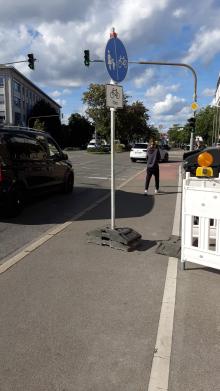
<point>133,160</point>
<point>16,201</point>
<point>166,158</point>
<point>69,183</point>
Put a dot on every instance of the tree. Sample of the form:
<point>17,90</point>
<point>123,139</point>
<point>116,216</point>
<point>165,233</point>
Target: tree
<point>204,123</point>
<point>39,125</point>
<point>42,110</point>
<point>97,110</point>
<point>80,130</point>
<point>131,121</point>
<point>179,135</point>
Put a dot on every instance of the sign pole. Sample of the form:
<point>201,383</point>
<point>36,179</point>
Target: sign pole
<point>112,168</point>
<point>117,65</point>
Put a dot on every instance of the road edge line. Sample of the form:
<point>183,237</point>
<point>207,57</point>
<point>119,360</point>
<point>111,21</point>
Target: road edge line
<point>159,377</point>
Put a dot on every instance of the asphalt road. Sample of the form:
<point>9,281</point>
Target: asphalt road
<point>92,181</point>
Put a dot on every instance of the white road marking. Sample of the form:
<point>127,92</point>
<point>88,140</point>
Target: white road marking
<point>159,377</point>
<point>6,263</point>
<point>97,177</point>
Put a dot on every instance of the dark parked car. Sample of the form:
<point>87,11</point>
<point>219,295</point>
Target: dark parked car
<point>31,162</point>
<point>190,160</point>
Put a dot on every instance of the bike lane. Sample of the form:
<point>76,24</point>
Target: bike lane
<point>79,316</point>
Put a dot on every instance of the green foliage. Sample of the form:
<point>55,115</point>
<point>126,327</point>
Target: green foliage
<point>42,110</point>
<point>203,127</point>
<point>99,149</point>
<point>204,123</point>
<point>179,134</point>
<point>119,147</point>
<point>131,121</point>
<point>80,130</point>
<point>39,125</point>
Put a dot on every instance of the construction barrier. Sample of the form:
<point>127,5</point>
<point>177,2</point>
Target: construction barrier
<point>200,242</point>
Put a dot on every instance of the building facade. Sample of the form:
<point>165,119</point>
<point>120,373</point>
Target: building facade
<point>18,95</point>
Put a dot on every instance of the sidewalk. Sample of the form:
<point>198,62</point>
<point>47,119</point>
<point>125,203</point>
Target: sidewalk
<point>81,317</point>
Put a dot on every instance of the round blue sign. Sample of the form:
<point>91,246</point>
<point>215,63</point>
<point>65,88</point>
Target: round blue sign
<point>116,59</point>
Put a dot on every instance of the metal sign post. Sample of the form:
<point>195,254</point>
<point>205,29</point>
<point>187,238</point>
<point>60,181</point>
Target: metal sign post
<point>112,168</point>
<point>114,100</point>
<point>117,65</point>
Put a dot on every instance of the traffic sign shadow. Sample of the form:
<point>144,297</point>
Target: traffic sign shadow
<point>59,208</point>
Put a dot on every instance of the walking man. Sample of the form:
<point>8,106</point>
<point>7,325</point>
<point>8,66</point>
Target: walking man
<point>153,158</point>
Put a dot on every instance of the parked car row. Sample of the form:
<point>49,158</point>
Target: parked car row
<point>31,162</point>
<point>139,152</point>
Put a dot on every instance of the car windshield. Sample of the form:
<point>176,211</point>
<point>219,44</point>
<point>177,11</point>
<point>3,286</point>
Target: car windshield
<point>140,145</point>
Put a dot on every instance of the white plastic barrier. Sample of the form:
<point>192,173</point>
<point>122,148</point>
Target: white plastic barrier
<point>200,242</point>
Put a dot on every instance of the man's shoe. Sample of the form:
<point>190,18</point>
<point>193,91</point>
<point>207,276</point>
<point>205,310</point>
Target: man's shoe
<point>156,191</point>
<point>145,192</point>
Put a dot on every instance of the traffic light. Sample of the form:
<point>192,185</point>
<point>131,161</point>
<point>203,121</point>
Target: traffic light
<point>192,122</point>
<point>31,60</point>
<point>86,58</point>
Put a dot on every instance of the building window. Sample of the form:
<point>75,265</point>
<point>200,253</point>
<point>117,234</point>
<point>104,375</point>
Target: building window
<point>17,101</point>
<point>17,87</point>
<point>2,99</point>
<point>1,81</point>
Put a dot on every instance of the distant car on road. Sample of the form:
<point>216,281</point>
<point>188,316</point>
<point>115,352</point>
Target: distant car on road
<point>31,162</point>
<point>139,152</point>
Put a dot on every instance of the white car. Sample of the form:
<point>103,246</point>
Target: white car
<point>139,152</point>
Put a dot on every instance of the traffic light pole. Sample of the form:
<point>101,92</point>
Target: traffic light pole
<point>31,60</point>
<point>14,62</point>
<point>176,64</point>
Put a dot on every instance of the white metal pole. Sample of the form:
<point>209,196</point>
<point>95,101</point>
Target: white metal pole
<point>112,168</point>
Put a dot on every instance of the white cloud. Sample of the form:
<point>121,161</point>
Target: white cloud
<point>66,91</point>
<point>160,90</point>
<point>151,30</point>
<point>61,102</point>
<point>179,12</point>
<point>145,78</point>
<point>208,92</point>
<point>131,13</point>
<point>171,105</point>
<point>205,46</point>
<point>55,94</point>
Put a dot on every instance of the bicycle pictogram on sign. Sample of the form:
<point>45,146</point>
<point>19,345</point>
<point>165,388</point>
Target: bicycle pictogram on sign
<point>116,59</point>
<point>114,93</point>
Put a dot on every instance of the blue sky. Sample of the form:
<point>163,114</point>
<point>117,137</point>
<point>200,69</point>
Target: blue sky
<point>160,30</point>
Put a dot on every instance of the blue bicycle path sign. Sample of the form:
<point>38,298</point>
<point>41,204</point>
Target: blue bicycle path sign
<point>116,59</point>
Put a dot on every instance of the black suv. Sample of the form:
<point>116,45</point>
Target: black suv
<point>31,162</point>
<point>190,162</point>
